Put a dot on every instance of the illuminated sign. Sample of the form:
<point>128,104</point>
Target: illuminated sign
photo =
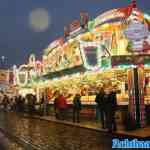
<point>27,73</point>
<point>22,75</point>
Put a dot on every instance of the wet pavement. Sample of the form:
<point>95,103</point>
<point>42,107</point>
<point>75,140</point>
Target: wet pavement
<point>9,144</point>
<point>14,146</point>
<point>46,135</point>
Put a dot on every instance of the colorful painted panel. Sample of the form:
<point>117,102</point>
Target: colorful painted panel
<point>63,57</point>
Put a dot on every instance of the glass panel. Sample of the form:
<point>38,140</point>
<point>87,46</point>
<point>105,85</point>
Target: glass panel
<point>91,55</point>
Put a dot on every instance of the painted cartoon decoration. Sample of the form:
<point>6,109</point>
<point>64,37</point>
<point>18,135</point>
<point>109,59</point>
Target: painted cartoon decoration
<point>63,57</point>
<point>138,36</point>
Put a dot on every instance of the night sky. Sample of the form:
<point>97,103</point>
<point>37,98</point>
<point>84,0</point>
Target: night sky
<point>21,33</point>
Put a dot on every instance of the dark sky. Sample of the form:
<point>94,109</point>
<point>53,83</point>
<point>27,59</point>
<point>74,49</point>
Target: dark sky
<point>18,39</point>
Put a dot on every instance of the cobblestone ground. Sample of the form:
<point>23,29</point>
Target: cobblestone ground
<point>52,136</point>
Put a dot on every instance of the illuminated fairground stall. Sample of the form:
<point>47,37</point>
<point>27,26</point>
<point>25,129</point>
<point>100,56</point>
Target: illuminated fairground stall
<point>113,48</point>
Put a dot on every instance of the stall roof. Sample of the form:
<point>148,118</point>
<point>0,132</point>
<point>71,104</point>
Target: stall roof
<point>68,71</point>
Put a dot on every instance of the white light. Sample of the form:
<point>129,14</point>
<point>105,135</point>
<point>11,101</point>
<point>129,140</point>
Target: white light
<point>3,58</point>
<point>39,19</point>
<point>147,16</point>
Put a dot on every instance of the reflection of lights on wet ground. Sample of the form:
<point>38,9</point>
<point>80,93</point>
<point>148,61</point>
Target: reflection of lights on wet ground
<point>39,19</point>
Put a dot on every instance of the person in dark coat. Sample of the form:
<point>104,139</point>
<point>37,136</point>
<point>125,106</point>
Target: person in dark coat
<point>41,103</point>
<point>100,102</point>
<point>76,108</point>
<point>110,105</point>
<point>31,103</point>
<point>56,109</point>
<point>114,107</point>
<point>108,109</point>
<point>20,103</point>
<point>5,102</point>
<point>23,104</point>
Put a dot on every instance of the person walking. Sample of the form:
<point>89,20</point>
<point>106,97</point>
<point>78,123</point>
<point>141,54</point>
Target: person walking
<point>76,108</point>
<point>100,104</point>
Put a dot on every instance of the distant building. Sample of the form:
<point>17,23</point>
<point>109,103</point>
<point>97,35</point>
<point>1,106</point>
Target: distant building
<point>4,79</point>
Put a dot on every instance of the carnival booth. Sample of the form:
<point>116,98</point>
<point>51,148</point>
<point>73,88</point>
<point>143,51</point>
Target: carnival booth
<point>114,47</point>
<point>111,49</point>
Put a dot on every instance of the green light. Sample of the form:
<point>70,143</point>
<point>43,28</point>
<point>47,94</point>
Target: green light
<point>147,65</point>
<point>90,25</point>
<point>106,62</point>
<point>124,66</point>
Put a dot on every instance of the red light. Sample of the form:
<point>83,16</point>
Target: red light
<point>134,4</point>
<point>141,66</point>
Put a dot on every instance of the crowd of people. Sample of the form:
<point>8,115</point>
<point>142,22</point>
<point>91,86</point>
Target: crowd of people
<point>105,99</point>
<point>11,103</point>
<point>17,103</point>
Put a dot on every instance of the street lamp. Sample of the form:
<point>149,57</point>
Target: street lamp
<point>3,58</point>
<point>3,62</point>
